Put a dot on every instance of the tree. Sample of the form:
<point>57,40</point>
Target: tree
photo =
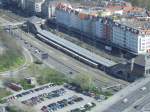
<point>83,80</point>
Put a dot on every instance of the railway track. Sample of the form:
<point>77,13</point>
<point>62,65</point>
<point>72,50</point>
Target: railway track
<point>72,67</point>
<point>51,57</point>
<point>108,77</point>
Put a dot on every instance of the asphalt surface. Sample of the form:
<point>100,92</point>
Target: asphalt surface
<point>66,95</point>
<point>133,93</point>
<point>141,105</point>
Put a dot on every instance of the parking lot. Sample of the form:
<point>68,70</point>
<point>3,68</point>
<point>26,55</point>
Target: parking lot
<point>54,98</point>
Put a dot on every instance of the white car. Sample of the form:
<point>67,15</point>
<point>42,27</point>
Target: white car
<point>37,51</point>
<point>143,88</point>
<point>125,100</point>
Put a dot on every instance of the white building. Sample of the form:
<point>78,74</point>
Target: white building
<point>31,6</point>
<point>133,35</point>
<point>22,4</point>
<point>48,8</point>
<point>84,20</point>
<point>38,6</point>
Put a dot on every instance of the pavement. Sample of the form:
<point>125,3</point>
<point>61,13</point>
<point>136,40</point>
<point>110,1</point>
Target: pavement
<point>141,105</point>
<point>66,95</point>
<point>132,93</point>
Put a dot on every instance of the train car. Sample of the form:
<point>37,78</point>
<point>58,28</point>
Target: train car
<point>67,51</point>
<point>73,50</point>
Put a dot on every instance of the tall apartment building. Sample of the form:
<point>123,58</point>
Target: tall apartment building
<point>22,4</point>
<point>132,35</point>
<point>48,8</point>
<point>83,20</point>
<point>31,6</point>
<point>38,6</point>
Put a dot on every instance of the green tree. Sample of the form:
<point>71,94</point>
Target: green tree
<point>85,81</point>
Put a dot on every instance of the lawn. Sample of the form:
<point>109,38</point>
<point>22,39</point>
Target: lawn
<point>12,56</point>
<point>4,93</point>
<point>50,75</point>
<point>7,63</point>
<point>25,84</point>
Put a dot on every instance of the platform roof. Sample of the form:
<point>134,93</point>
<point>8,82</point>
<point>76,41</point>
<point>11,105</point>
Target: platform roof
<point>86,53</point>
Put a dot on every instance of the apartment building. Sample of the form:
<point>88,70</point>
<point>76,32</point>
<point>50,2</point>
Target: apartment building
<point>38,6</point>
<point>48,8</point>
<point>132,35</point>
<point>32,7</point>
<point>85,20</point>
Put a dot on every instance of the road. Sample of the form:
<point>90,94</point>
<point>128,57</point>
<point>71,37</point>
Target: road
<point>141,105</point>
<point>133,93</point>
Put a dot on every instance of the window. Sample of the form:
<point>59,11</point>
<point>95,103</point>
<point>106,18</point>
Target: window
<point>147,71</point>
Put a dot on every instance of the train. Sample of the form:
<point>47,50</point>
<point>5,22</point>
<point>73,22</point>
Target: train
<point>71,49</point>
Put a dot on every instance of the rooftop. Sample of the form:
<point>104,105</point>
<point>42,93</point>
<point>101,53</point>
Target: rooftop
<point>80,9</point>
<point>136,23</point>
<point>75,48</point>
<point>78,49</point>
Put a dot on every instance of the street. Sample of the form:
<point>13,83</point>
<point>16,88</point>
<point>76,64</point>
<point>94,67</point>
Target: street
<point>132,93</point>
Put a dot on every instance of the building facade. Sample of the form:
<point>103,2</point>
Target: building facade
<point>38,6</point>
<point>84,21</point>
<point>32,7</point>
<point>136,39</point>
<point>48,9</point>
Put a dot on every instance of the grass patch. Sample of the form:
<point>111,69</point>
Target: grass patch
<point>25,84</point>
<point>12,56</point>
<point>4,93</point>
<point>42,73</point>
<point>10,64</point>
<point>50,75</point>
